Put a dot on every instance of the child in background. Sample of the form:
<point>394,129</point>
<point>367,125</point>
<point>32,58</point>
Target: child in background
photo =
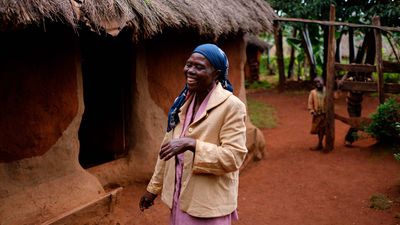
<point>317,108</point>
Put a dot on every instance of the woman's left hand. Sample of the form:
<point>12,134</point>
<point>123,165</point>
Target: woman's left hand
<point>177,146</point>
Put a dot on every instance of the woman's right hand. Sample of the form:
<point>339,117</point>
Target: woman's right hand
<point>146,201</point>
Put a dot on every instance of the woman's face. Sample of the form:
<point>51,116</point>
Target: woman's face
<point>199,73</point>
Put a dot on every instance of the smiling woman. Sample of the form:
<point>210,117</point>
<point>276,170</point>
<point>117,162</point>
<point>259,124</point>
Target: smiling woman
<point>199,160</point>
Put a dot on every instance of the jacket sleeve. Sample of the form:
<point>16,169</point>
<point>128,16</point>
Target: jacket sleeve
<point>229,155</point>
<point>156,181</point>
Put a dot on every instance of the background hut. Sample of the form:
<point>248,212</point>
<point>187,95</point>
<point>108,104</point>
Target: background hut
<point>254,48</point>
<point>85,88</point>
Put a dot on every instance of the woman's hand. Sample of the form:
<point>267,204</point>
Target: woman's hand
<point>177,146</point>
<point>146,201</point>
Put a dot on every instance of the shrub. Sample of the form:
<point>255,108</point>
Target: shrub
<point>380,201</point>
<point>385,125</point>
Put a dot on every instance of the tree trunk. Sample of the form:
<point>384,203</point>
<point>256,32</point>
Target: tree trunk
<point>279,55</point>
<point>292,57</point>
<point>338,40</point>
<point>299,71</point>
<point>326,40</point>
<point>351,45</point>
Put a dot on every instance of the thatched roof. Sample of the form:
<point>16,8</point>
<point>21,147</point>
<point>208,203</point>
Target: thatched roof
<point>253,40</point>
<point>145,17</point>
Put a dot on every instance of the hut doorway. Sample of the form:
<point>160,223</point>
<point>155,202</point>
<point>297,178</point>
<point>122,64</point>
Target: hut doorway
<point>106,71</point>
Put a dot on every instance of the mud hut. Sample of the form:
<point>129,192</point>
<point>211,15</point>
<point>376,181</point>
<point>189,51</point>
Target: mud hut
<point>254,48</point>
<point>85,88</point>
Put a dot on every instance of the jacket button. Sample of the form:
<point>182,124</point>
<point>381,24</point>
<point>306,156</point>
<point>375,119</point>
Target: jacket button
<point>190,130</point>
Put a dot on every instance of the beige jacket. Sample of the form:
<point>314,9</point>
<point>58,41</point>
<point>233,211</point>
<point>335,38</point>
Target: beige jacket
<point>210,177</point>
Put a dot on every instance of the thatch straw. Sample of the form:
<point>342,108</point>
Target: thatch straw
<point>146,17</point>
<point>19,12</point>
<point>257,42</point>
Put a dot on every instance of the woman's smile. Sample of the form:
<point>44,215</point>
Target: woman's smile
<point>191,81</point>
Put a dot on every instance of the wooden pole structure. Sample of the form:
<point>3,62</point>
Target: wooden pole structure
<point>378,59</point>
<point>279,55</point>
<point>333,23</point>
<point>330,82</point>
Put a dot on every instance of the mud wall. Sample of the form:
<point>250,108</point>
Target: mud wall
<point>42,106</point>
<point>37,93</point>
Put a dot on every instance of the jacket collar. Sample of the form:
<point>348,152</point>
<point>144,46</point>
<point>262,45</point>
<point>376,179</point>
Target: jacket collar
<point>218,96</point>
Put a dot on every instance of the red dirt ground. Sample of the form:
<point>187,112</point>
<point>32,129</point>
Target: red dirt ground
<point>295,186</point>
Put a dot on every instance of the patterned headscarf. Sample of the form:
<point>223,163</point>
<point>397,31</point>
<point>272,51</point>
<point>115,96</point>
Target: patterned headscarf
<point>219,61</point>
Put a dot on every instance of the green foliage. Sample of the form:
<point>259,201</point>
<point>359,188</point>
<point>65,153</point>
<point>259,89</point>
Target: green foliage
<point>263,65</point>
<point>385,126</point>
<point>310,9</point>
<point>391,77</point>
<point>388,77</point>
<point>355,11</point>
<point>388,11</point>
<point>380,201</point>
<point>261,114</point>
<point>397,156</point>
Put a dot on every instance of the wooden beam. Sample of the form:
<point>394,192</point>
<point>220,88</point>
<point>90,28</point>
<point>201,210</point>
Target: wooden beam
<point>330,83</point>
<point>369,87</point>
<point>333,23</point>
<point>107,200</point>
<point>357,68</point>
<point>387,67</point>
<point>378,58</point>
<point>358,86</point>
<point>391,67</point>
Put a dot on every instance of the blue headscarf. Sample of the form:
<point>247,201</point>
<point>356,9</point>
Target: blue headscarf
<point>219,61</point>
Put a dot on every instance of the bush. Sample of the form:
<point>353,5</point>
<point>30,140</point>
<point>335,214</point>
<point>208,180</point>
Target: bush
<point>380,201</point>
<point>385,125</point>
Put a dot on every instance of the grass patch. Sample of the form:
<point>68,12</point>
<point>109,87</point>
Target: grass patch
<point>380,201</point>
<point>257,85</point>
<point>261,115</point>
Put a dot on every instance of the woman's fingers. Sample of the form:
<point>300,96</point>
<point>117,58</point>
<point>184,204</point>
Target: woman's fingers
<point>172,148</point>
<point>146,201</point>
<point>166,151</point>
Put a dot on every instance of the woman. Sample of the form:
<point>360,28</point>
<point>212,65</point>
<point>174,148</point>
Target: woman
<point>204,147</point>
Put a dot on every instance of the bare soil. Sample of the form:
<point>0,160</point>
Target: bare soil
<point>296,186</point>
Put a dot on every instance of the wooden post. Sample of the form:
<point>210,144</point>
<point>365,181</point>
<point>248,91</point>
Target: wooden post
<point>378,59</point>
<point>330,82</point>
<point>279,55</point>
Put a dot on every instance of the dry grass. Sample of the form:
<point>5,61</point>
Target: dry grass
<point>214,18</point>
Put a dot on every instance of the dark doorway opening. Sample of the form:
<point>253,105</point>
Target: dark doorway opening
<point>106,71</point>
